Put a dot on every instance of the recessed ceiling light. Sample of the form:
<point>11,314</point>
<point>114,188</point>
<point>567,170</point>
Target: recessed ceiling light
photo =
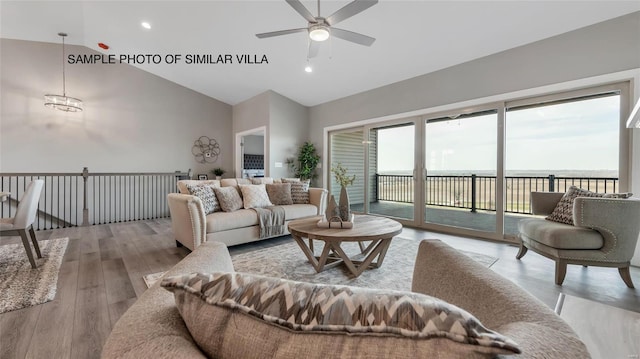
<point>146,25</point>
<point>308,69</point>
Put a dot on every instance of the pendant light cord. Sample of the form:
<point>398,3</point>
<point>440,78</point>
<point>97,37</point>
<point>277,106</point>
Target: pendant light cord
<point>64,80</point>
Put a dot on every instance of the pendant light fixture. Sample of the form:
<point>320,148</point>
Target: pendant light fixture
<point>63,102</point>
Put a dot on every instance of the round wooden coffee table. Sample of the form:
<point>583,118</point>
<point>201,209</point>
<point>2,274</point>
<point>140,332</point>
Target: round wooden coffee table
<point>379,231</point>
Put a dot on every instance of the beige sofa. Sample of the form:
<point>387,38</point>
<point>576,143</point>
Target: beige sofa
<point>153,328</point>
<point>192,227</point>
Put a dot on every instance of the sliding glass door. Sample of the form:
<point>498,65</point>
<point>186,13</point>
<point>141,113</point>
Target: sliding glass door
<point>558,142</point>
<point>391,170</point>
<point>471,171</point>
<point>461,170</point>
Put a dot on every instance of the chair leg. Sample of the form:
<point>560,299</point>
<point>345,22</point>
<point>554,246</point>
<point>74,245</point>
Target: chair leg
<point>523,250</point>
<point>626,276</point>
<point>561,271</point>
<point>27,247</point>
<point>35,242</point>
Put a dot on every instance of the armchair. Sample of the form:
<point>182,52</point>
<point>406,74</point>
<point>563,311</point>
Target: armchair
<point>605,233</point>
<point>24,218</point>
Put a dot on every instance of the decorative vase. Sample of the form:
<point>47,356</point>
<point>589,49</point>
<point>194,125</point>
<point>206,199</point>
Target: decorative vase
<point>345,210</point>
<point>332,209</point>
<point>218,178</point>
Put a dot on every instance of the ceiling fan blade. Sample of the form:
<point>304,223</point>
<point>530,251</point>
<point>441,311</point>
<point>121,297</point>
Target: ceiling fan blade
<point>352,36</point>
<point>314,46</point>
<point>279,33</point>
<point>352,8</point>
<point>297,6</point>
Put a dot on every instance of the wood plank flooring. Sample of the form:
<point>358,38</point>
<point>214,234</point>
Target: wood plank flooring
<point>101,276</point>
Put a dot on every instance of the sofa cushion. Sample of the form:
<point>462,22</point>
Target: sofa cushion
<point>262,180</point>
<point>560,235</point>
<point>563,213</point>
<point>271,317</point>
<point>229,198</point>
<point>207,197</point>
<point>279,193</point>
<point>182,184</point>
<point>299,190</point>
<point>234,182</point>
<point>295,211</point>
<point>224,221</point>
<point>255,196</point>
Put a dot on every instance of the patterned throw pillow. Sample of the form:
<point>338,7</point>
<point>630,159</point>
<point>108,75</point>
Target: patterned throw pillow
<point>352,313</point>
<point>563,213</point>
<point>299,191</point>
<point>255,196</point>
<point>280,193</point>
<point>229,198</point>
<point>207,197</point>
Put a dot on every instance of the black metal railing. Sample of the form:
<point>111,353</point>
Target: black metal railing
<point>476,192</point>
<point>84,198</point>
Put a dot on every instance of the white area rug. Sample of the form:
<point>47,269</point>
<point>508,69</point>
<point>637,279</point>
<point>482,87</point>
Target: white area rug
<point>22,286</point>
<point>287,261</point>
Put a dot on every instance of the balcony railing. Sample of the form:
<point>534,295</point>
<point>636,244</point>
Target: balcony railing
<point>474,192</point>
<point>84,198</point>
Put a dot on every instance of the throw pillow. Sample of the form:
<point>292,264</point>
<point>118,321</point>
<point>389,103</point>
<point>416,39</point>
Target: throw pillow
<point>294,315</point>
<point>563,213</point>
<point>255,196</point>
<point>299,191</point>
<point>229,198</point>
<point>182,184</point>
<point>207,197</point>
<point>280,193</point>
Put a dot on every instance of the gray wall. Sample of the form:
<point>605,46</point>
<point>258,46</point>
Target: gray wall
<point>286,122</point>
<point>253,145</point>
<point>602,48</point>
<point>288,130</point>
<point>133,121</point>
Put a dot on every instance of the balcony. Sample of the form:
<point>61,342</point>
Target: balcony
<point>469,201</point>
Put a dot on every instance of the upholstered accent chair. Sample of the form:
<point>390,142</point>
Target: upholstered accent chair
<point>604,233</point>
<point>24,218</point>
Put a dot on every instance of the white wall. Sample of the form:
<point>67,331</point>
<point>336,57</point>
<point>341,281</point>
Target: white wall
<point>133,121</point>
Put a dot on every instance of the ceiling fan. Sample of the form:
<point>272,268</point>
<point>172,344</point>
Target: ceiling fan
<point>321,28</point>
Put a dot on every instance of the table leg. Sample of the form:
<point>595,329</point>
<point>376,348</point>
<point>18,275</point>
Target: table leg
<point>379,250</point>
<point>323,261</point>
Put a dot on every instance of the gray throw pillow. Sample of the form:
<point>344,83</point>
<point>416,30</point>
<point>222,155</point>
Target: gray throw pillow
<point>229,198</point>
<point>299,191</point>
<point>563,213</point>
<point>296,319</point>
<point>280,194</point>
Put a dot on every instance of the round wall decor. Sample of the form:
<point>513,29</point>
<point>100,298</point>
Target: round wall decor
<point>206,150</point>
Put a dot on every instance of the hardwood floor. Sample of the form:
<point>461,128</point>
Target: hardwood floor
<point>101,276</point>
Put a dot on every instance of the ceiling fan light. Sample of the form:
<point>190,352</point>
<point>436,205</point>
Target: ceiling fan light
<point>318,33</point>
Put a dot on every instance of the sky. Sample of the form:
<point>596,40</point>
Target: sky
<point>579,136</point>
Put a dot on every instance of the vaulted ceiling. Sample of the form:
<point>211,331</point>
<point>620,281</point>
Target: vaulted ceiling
<point>412,38</point>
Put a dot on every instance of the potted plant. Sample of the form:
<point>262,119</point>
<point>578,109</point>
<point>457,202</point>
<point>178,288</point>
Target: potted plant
<point>340,174</point>
<point>218,172</point>
<point>304,167</point>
